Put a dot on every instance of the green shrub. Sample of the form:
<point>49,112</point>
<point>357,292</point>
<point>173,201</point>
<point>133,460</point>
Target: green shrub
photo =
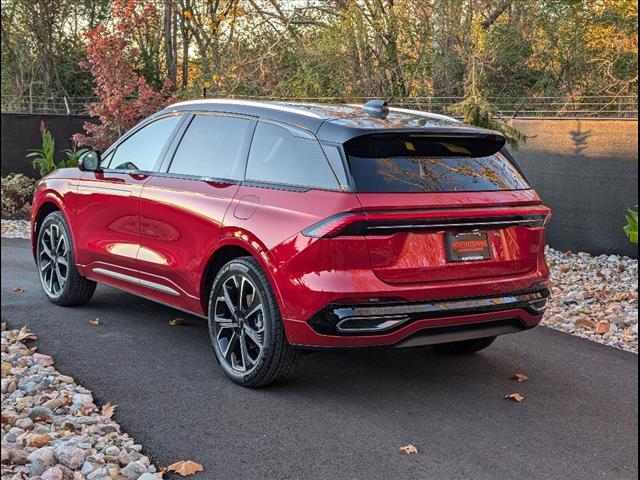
<point>44,158</point>
<point>632,226</point>
<point>73,156</point>
<point>17,190</point>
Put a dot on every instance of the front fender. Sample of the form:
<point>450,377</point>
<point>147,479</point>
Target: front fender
<point>53,194</point>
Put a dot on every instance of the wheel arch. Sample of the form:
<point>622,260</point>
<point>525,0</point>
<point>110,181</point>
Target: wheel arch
<point>226,250</point>
<point>47,206</point>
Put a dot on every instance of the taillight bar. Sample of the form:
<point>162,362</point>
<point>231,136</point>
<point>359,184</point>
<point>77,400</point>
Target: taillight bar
<point>386,223</point>
<point>340,224</point>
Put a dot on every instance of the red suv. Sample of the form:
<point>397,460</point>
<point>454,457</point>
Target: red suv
<point>297,226</point>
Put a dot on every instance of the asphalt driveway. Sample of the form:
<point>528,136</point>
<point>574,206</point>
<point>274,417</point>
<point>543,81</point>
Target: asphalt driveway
<point>344,415</point>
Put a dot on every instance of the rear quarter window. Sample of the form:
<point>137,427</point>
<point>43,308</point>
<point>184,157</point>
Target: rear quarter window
<point>288,156</point>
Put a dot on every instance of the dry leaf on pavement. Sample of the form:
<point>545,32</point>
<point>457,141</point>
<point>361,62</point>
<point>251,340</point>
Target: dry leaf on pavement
<point>95,321</point>
<point>176,321</point>
<point>108,410</point>
<point>18,290</point>
<point>409,449</point>
<point>520,377</point>
<point>516,397</point>
<point>185,468</point>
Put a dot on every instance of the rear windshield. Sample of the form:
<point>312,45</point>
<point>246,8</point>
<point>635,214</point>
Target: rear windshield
<point>411,164</point>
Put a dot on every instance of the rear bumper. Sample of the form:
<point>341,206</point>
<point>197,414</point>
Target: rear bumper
<point>419,323</point>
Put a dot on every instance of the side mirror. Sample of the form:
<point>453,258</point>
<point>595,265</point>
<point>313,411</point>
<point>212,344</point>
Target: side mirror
<point>90,161</point>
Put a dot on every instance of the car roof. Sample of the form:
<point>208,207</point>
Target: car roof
<point>335,122</point>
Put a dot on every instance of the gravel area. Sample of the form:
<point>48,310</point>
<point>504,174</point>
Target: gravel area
<point>15,228</point>
<point>51,427</point>
<point>592,297</point>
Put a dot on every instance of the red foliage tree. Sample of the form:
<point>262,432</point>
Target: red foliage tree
<point>124,96</point>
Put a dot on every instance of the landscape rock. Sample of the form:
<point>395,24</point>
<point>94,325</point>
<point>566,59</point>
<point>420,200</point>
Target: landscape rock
<point>52,428</point>
<point>594,297</point>
<point>41,459</point>
<point>40,413</point>
<point>71,457</point>
<point>53,473</point>
<point>43,360</point>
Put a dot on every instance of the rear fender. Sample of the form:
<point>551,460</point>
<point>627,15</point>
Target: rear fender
<point>239,237</point>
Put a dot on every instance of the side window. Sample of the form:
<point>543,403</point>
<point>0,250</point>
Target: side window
<point>106,159</point>
<point>335,160</point>
<point>212,147</point>
<point>141,150</point>
<point>279,156</point>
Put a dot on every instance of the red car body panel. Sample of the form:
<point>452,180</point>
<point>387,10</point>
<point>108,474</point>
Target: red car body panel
<point>164,231</point>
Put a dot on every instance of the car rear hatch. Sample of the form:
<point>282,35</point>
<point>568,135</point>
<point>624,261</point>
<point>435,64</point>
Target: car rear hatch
<point>444,208</point>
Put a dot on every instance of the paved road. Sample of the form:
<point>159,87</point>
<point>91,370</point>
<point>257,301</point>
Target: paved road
<point>344,415</point>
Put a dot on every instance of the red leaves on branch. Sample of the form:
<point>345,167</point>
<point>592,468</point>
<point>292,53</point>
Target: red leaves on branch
<point>124,96</point>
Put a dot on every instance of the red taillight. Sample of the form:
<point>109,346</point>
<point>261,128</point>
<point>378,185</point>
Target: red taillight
<point>340,224</point>
<point>386,223</point>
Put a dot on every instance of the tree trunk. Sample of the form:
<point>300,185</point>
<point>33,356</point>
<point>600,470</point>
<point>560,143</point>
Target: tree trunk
<point>170,59</point>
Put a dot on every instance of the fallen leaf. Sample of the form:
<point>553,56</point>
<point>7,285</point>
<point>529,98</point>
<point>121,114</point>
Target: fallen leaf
<point>95,322</point>
<point>39,440</point>
<point>185,468</point>
<point>18,290</point>
<point>520,377</point>
<point>84,411</point>
<point>516,397</point>
<point>25,334</point>
<point>176,321</point>
<point>409,449</point>
<point>108,410</point>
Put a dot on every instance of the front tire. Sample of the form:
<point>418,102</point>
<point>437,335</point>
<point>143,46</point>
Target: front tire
<point>465,347</point>
<point>59,276</point>
<point>245,326</point>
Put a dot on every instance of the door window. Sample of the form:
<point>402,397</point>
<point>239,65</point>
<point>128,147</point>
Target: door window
<point>288,156</point>
<point>212,147</point>
<point>140,151</point>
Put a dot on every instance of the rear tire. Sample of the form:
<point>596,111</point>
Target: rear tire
<point>245,327</point>
<point>465,347</point>
<point>59,276</point>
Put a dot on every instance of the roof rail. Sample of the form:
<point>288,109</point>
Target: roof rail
<point>425,114</point>
<point>249,103</point>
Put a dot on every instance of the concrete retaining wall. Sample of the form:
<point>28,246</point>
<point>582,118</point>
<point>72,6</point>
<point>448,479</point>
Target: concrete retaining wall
<point>587,172</point>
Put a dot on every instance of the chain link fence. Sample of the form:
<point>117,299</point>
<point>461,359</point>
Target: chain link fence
<point>533,107</point>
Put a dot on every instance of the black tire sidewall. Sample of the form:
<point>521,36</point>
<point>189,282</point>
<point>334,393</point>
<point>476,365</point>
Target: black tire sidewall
<point>58,219</point>
<point>271,318</point>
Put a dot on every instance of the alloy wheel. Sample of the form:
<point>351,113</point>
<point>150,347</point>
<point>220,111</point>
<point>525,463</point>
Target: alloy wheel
<point>238,323</point>
<point>53,260</point>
